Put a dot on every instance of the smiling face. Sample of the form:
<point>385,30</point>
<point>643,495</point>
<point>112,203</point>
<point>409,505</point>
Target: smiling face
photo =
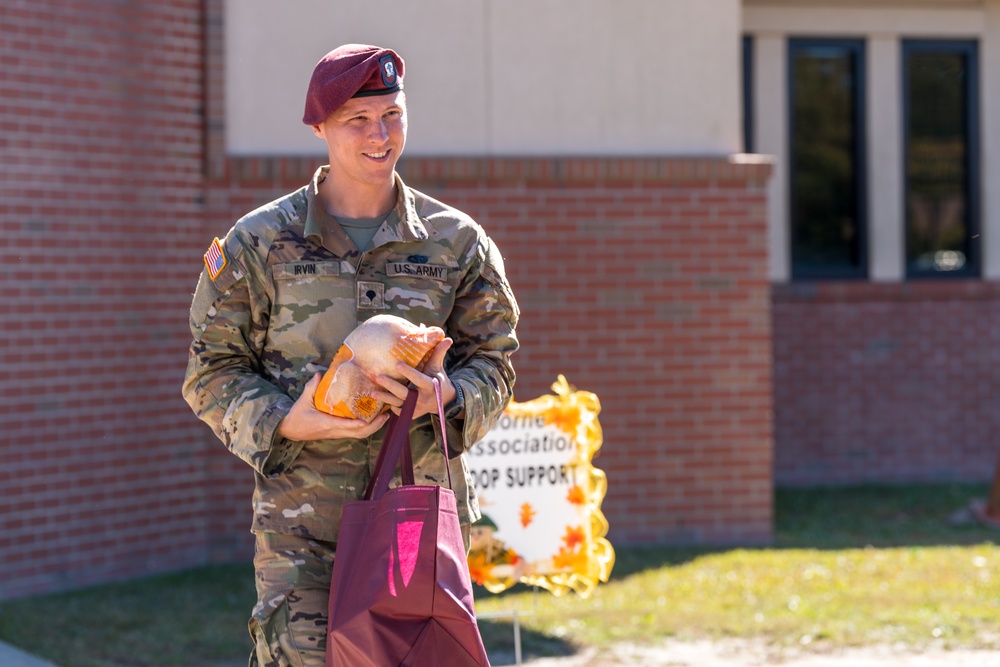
<point>364,139</point>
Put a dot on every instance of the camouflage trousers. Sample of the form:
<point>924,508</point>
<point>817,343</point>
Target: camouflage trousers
<point>288,624</point>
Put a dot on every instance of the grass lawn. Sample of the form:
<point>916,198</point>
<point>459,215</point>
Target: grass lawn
<point>849,567</point>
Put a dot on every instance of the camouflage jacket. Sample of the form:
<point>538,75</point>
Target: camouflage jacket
<point>276,301</point>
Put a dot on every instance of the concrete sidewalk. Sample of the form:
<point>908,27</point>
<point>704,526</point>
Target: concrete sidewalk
<point>15,657</point>
<point>725,653</point>
<point>748,653</point>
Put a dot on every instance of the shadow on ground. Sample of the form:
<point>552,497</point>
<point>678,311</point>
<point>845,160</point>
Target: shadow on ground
<point>498,637</point>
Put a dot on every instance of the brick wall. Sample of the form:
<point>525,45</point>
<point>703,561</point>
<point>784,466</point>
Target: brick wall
<point>103,474</point>
<point>886,383</point>
<point>643,280</point>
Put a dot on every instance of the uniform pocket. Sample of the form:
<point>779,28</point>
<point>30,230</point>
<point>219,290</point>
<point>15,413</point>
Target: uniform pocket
<point>288,625</point>
<point>312,302</point>
<point>274,644</point>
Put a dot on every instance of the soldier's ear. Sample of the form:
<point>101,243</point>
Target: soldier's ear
<point>318,131</point>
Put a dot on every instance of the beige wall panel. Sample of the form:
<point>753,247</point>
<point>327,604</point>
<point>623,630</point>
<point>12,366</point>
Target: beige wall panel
<point>635,77</point>
<point>511,77</point>
<point>770,99</point>
<point>946,20</point>
<point>886,231</point>
<point>893,4</point>
<point>989,66</point>
<point>272,47</point>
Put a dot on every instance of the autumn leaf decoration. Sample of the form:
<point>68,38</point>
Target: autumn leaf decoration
<point>564,417</point>
<point>527,514</point>
<point>480,569</point>
<point>576,496</point>
<point>572,555</point>
<point>574,537</point>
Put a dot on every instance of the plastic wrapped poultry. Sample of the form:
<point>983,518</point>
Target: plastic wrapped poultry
<point>372,349</point>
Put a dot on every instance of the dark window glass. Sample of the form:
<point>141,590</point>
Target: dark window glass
<point>827,158</point>
<point>941,158</point>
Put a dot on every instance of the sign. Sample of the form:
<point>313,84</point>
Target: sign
<point>541,497</point>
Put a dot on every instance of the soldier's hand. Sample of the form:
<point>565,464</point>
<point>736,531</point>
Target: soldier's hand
<point>305,422</point>
<point>395,392</point>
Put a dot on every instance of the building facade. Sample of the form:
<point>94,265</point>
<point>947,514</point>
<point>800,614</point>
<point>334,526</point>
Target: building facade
<point>885,233</point>
<point>605,147</point>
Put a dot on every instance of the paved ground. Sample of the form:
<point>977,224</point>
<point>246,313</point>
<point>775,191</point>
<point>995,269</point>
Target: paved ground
<point>692,654</point>
<point>748,654</point>
<point>12,657</point>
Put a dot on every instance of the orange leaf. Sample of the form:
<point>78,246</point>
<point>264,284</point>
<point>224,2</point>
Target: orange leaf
<point>574,537</point>
<point>569,559</point>
<point>527,514</point>
<point>565,417</point>
<point>563,560</point>
<point>576,495</point>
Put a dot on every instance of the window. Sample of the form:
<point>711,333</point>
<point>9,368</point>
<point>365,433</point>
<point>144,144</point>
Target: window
<point>941,158</point>
<point>826,161</point>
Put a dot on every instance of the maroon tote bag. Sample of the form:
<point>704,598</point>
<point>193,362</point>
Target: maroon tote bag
<point>401,592</point>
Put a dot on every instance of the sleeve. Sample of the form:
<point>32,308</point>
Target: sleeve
<point>482,324</point>
<point>224,382</point>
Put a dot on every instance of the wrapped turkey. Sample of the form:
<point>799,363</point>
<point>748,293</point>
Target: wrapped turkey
<point>372,349</point>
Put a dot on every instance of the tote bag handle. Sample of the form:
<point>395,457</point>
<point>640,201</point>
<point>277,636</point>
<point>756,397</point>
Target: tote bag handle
<point>397,442</point>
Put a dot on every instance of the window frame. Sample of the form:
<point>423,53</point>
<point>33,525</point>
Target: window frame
<point>973,166</point>
<point>857,46</point>
<point>748,89</point>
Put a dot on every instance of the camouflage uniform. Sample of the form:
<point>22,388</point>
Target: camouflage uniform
<point>292,287</point>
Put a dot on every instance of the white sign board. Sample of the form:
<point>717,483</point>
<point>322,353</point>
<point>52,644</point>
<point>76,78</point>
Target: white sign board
<point>540,497</point>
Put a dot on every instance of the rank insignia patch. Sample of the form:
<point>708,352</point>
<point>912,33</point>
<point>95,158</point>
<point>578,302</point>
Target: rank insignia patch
<point>215,259</point>
<point>371,296</point>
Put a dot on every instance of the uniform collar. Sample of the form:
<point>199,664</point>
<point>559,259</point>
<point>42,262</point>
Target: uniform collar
<point>406,225</point>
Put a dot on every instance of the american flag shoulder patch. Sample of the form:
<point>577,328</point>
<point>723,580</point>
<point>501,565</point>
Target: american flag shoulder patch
<point>215,259</point>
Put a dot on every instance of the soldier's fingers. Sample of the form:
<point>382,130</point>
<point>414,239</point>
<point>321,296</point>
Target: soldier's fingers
<point>359,428</point>
<point>309,391</point>
<point>417,378</point>
<point>374,426</point>
<point>391,400</point>
<point>395,391</point>
<point>435,364</point>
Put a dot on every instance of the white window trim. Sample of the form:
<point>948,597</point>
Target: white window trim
<point>883,29</point>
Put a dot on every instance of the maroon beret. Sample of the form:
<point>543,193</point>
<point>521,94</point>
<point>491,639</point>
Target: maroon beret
<point>351,70</point>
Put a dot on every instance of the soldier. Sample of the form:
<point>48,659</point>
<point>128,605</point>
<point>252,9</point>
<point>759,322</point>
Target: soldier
<point>276,299</point>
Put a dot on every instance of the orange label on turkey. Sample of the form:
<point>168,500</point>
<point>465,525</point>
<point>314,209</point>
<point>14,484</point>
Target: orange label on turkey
<point>366,407</point>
